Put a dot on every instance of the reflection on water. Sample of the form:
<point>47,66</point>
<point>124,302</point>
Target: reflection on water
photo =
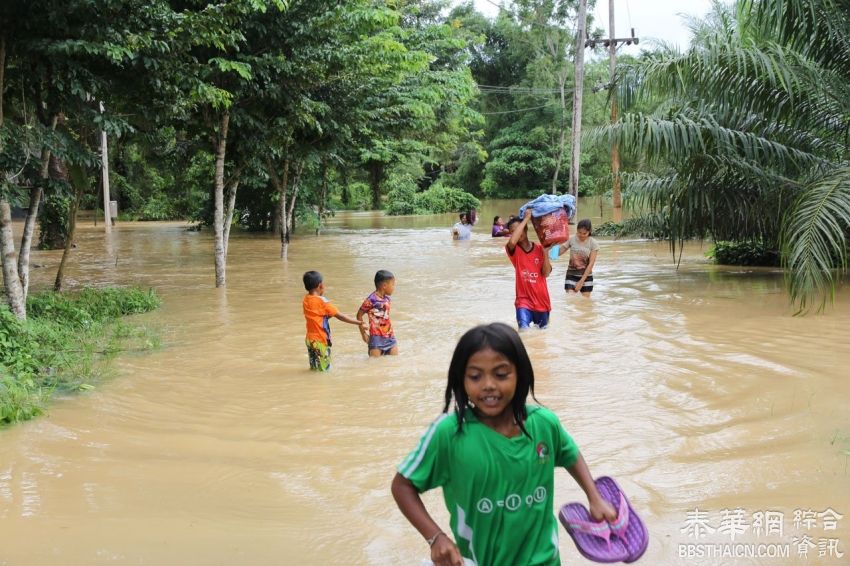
<point>693,387</point>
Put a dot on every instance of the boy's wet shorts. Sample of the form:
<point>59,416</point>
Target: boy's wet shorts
<point>571,280</point>
<point>382,343</point>
<point>525,318</point>
<point>319,354</point>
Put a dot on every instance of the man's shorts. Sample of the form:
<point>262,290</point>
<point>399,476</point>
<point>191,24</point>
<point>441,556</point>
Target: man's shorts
<point>570,283</point>
<point>319,354</point>
<point>525,318</point>
<point>382,343</point>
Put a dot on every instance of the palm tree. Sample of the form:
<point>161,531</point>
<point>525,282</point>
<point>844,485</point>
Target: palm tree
<point>749,138</point>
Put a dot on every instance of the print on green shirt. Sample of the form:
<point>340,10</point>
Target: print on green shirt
<point>498,490</point>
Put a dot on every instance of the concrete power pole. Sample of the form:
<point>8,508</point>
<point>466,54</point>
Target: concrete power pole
<point>615,148</point>
<point>577,94</point>
<point>104,157</point>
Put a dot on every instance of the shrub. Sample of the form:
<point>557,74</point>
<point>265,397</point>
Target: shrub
<point>744,253</point>
<point>438,199</point>
<point>91,305</point>
<point>62,342</point>
<point>401,197</point>
<point>359,196</point>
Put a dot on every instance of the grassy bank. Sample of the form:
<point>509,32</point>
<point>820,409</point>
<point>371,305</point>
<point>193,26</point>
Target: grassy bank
<point>65,345</point>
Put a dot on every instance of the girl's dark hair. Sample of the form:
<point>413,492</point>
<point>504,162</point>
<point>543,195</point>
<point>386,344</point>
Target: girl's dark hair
<point>500,338</point>
<point>495,219</point>
<point>584,224</point>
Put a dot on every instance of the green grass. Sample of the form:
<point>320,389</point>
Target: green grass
<point>66,344</point>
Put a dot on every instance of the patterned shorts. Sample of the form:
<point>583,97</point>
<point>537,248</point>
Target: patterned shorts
<point>319,354</point>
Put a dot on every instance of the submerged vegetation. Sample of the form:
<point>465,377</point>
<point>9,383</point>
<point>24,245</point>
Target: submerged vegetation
<point>65,345</point>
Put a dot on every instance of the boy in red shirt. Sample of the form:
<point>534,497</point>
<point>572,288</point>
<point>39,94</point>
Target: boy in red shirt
<point>317,311</point>
<point>531,262</point>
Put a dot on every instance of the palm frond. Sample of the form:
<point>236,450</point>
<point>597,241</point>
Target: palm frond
<point>814,241</point>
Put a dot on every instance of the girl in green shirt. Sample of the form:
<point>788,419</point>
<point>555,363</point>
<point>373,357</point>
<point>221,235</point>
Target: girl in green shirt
<point>495,458</point>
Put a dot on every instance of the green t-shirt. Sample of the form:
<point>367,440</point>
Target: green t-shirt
<point>498,490</point>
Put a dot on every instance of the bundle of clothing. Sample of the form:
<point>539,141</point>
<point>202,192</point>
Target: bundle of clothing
<point>550,215</point>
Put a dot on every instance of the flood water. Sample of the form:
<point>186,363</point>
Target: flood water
<point>694,388</point>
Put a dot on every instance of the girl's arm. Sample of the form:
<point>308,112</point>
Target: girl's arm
<point>444,552</point>
<point>562,248</point>
<point>587,270</point>
<point>599,508</point>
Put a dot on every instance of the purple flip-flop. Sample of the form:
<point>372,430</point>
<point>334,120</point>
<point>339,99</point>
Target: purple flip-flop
<point>628,528</point>
<point>594,540</point>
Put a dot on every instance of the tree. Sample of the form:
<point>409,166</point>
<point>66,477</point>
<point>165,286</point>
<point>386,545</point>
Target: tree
<point>750,143</point>
<point>426,116</point>
<point>56,58</point>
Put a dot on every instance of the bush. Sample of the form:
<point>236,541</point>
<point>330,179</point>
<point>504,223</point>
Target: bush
<point>438,199</point>
<point>158,207</point>
<point>359,196</point>
<point>649,226</point>
<point>59,346</point>
<point>19,400</point>
<point>91,305</point>
<point>744,253</point>
<point>401,197</point>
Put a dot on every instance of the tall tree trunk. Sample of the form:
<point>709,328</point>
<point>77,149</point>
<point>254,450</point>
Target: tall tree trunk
<point>32,215</point>
<point>376,176</point>
<point>276,213</point>
<point>346,193</point>
<point>14,291</point>
<point>289,212</point>
<point>581,24</point>
<point>2,73</point>
<point>232,186</point>
<point>8,257</point>
<point>323,195</point>
<point>69,240</point>
<point>280,183</point>
<point>218,211</point>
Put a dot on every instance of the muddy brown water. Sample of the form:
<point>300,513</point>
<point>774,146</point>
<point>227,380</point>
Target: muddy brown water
<point>695,388</point>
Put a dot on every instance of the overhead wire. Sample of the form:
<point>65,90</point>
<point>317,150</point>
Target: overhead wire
<point>518,109</point>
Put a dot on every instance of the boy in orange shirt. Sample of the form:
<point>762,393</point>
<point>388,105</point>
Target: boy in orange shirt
<point>317,310</point>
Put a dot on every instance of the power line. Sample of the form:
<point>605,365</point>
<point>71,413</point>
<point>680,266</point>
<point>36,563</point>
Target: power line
<point>517,110</point>
<point>517,90</point>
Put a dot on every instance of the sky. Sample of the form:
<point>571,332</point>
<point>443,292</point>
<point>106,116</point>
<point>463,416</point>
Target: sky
<point>657,19</point>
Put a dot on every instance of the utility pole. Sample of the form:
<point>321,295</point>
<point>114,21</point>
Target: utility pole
<point>577,93</point>
<point>611,43</point>
<point>615,147</point>
<point>104,157</point>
